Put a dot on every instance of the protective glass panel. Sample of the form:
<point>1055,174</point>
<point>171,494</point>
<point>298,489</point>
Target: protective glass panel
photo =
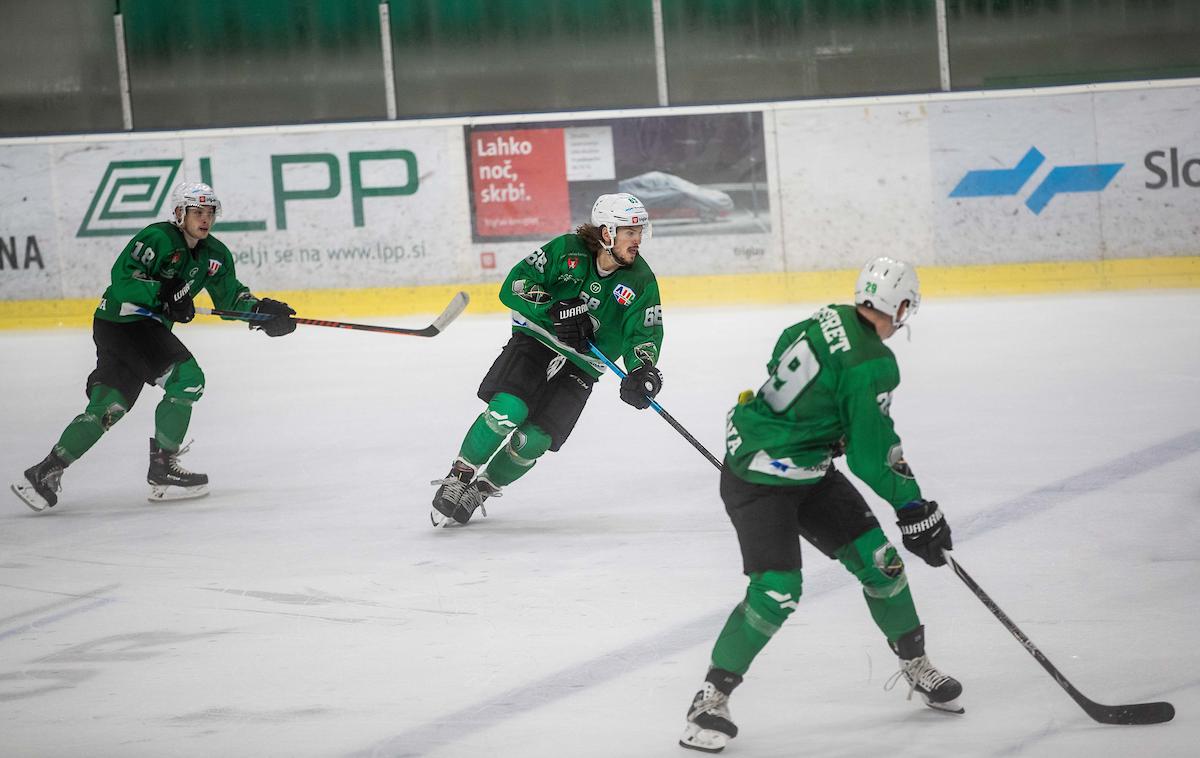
<point>719,51</point>
<point>58,67</point>
<point>243,62</point>
<point>1027,43</point>
<point>481,56</point>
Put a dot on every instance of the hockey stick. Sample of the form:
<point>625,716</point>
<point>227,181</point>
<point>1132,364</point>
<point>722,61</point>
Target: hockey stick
<point>457,305</point>
<point>661,411</point>
<point>1134,713</point>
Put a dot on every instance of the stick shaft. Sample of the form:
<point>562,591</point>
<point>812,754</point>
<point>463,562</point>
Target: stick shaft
<point>661,411</point>
<point>1134,713</point>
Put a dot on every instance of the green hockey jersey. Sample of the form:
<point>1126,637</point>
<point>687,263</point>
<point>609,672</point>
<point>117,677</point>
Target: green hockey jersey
<point>830,381</point>
<point>160,252</point>
<point>625,306</point>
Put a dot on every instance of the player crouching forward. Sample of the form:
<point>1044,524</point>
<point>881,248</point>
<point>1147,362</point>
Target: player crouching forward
<point>591,286</point>
<point>830,383</point>
<point>153,281</point>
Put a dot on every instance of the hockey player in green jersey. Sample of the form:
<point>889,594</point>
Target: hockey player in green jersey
<point>153,281</point>
<point>588,287</point>
<point>829,388</point>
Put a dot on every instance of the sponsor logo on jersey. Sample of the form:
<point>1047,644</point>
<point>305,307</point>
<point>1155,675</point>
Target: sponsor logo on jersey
<point>595,288</point>
<point>213,267</point>
<point>193,272</point>
<point>624,295</point>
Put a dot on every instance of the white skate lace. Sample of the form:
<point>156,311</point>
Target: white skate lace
<point>173,462</point>
<point>53,480</point>
<point>920,673</point>
<point>714,702</point>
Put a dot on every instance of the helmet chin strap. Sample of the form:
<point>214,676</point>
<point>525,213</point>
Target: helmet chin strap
<point>610,250</point>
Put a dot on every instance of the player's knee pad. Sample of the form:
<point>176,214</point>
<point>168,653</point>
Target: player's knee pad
<point>771,598</point>
<point>876,563</point>
<point>106,406</point>
<point>527,444</point>
<point>505,413</point>
<point>184,383</point>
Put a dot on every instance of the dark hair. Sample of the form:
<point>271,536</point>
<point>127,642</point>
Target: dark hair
<point>591,236</point>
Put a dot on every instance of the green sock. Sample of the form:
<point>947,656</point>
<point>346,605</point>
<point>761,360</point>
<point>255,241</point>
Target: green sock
<point>770,599</point>
<point>501,418</point>
<point>171,419</point>
<point>105,407</point>
<point>481,442</point>
<point>877,565</point>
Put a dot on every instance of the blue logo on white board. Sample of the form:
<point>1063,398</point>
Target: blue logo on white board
<point>1061,179</point>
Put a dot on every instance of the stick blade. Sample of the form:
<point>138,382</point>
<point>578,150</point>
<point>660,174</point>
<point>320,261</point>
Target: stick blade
<point>1132,714</point>
<point>457,305</point>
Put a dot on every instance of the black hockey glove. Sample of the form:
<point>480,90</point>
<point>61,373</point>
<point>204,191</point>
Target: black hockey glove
<point>176,297</point>
<point>278,326</point>
<point>572,324</point>
<point>926,533</point>
<point>640,386</point>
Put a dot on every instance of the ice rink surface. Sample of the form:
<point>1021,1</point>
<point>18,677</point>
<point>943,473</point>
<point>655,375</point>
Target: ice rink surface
<point>307,608</point>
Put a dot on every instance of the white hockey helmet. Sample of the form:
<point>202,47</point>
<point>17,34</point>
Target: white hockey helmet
<point>193,195</point>
<point>620,209</point>
<point>886,284</point>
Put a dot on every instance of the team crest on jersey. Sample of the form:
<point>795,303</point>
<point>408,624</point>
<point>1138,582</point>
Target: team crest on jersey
<point>623,294</point>
<point>572,262</point>
<point>213,267</point>
<point>175,256</point>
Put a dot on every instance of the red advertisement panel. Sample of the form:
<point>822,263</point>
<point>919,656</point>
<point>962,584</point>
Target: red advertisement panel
<point>519,180</point>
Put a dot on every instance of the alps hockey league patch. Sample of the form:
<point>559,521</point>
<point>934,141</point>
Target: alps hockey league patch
<point>624,295</point>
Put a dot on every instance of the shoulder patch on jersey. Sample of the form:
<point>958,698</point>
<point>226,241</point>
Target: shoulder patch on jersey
<point>646,353</point>
<point>532,293</point>
<point>213,267</point>
<point>897,463</point>
<point>623,294</point>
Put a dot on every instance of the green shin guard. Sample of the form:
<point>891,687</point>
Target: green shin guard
<point>877,565</point>
<point>770,599</point>
<point>501,418</point>
<point>105,407</point>
<point>520,454</point>
<point>183,386</point>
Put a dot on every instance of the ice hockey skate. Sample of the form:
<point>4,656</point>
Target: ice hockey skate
<point>710,727</point>
<point>460,495</point>
<point>170,481</point>
<point>939,691</point>
<point>41,483</point>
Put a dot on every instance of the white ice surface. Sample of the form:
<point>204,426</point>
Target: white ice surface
<point>306,607</point>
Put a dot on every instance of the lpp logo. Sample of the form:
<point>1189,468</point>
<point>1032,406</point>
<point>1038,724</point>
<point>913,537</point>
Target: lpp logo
<point>1009,181</point>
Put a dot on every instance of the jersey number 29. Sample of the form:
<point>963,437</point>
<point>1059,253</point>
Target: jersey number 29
<point>798,366</point>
